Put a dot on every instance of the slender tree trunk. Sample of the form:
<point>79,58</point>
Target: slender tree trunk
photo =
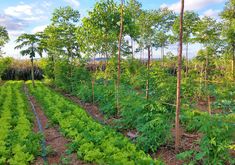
<point>209,104</point>
<point>201,77</point>
<point>71,72</point>
<point>53,66</point>
<point>105,67</point>
<point>233,62</point>
<point>162,52</point>
<point>119,58</point>
<point>151,52</point>
<point>32,72</point>
<point>148,68</point>
<point>206,84</point>
<point>187,60</point>
<point>141,55</point>
<point>93,82</point>
<point>178,95</point>
<point>132,46</point>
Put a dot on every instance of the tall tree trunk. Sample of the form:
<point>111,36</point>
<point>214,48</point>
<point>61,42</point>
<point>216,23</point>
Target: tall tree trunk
<point>233,62</point>
<point>151,52</point>
<point>207,87</point>
<point>119,58</point>
<point>162,52</point>
<point>32,72</point>
<point>187,60</point>
<point>132,47</point>
<point>93,82</point>
<point>53,66</point>
<point>148,68</point>
<point>70,62</point>
<point>201,78</point>
<point>178,95</point>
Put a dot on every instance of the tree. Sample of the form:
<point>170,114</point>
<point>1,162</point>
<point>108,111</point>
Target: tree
<point>102,33</point>
<point>162,29</point>
<point>208,34</point>
<point>101,28</point>
<point>31,45</point>
<point>191,20</point>
<point>4,38</point>
<point>64,20</point>
<point>228,16</point>
<point>61,43</point>
<point>178,95</point>
<point>147,21</point>
<point>133,10</point>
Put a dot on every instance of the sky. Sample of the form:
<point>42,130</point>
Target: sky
<point>30,16</point>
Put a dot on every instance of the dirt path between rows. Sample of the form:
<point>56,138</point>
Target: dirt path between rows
<point>2,82</point>
<point>90,108</point>
<point>56,143</point>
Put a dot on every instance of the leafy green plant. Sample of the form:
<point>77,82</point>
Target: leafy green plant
<point>192,120</point>
<point>18,143</point>
<point>215,143</point>
<point>228,106</point>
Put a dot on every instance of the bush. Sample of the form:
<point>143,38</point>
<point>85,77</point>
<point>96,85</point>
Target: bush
<point>215,143</point>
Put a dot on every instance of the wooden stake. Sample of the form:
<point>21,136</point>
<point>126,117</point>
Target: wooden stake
<point>32,72</point>
<point>148,68</point>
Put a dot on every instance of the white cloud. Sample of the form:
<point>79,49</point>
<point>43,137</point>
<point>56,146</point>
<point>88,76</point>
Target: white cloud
<point>15,33</point>
<point>192,4</point>
<point>26,12</point>
<point>39,28</point>
<point>46,4</point>
<point>73,2</point>
<point>12,23</point>
<point>212,13</point>
<point>163,5</point>
<point>10,50</point>
<point>19,10</point>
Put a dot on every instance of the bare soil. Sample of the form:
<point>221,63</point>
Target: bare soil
<point>54,140</point>
<point>202,105</point>
<point>188,142</point>
<point>92,109</point>
<point>1,82</point>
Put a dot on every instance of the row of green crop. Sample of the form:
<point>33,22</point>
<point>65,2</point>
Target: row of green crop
<point>92,141</point>
<point>217,141</point>
<point>18,143</point>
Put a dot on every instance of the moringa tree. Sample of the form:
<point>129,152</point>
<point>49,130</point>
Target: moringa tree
<point>191,20</point>
<point>30,45</point>
<point>4,38</point>
<point>210,38</point>
<point>147,21</point>
<point>133,10</point>
<point>163,29</point>
<point>64,25</point>
<point>228,16</point>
